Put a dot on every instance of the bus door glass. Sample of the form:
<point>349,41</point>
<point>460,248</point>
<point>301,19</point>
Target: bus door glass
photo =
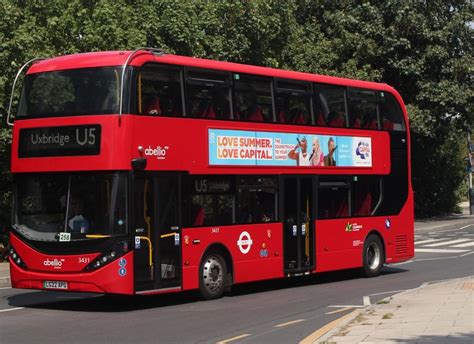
<point>144,232</point>
<point>168,253</point>
<point>298,223</point>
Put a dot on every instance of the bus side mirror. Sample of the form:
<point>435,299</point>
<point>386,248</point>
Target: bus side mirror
<point>139,164</point>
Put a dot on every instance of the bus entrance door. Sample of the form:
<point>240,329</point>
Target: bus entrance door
<point>144,237</point>
<point>298,223</point>
<point>157,233</point>
<point>168,253</point>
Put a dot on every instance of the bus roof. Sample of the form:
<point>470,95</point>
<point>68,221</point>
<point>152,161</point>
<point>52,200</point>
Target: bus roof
<point>118,58</point>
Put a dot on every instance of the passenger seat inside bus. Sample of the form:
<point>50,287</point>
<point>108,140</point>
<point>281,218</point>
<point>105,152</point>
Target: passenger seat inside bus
<point>387,124</point>
<point>363,204</point>
<point>343,210</point>
<point>357,123</point>
<point>199,218</point>
<point>281,117</point>
<point>298,117</point>
<point>208,113</point>
<point>336,119</point>
<point>154,107</point>
<point>371,124</point>
<point>256,115</point>
<point>320,119</point>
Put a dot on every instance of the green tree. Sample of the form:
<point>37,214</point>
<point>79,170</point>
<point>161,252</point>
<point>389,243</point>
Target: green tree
<point>422,48</point>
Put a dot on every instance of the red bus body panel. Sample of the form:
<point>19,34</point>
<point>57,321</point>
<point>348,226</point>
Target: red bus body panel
<point>122,137</point>
<point>249,266</point>
<point>104,280</point>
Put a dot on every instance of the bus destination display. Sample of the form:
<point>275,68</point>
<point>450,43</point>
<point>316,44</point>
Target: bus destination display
<point>60,141</point>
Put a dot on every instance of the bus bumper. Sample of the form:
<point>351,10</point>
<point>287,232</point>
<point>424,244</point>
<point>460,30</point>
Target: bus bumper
<point>110,278</point>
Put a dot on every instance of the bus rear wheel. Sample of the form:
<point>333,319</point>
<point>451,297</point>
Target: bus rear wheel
<point>212,276</point>
<point>373,256</point>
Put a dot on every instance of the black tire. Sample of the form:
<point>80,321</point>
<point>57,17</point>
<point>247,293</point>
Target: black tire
<point>212,276</point>
<point>373,256</point>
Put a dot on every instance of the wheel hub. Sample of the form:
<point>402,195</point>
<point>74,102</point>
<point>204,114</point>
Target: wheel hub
<point>373,256</point>
<point>212,273</point>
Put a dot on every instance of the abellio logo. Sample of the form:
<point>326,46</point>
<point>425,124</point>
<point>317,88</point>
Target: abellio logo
<point>56,263</point>
<point>159,152</point>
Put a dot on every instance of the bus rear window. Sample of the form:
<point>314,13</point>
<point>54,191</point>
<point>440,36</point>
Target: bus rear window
<point>86,91</point>
<point>391,113</point>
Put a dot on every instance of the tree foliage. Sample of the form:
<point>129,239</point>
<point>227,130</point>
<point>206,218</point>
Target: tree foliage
<point>422,48</point>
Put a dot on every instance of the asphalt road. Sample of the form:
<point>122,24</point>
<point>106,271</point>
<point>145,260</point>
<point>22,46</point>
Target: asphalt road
<point>282,311</point>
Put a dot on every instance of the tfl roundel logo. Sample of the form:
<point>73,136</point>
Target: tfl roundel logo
<point>245,242</point>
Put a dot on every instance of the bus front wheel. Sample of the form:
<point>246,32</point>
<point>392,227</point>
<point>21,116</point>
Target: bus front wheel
<point>212,276</point>
<point>373,256</point>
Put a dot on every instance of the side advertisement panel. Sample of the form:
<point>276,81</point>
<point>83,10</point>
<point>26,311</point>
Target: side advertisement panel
<point>252,148</point>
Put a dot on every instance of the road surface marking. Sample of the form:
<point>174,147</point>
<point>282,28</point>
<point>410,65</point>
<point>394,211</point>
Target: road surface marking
<point>389,292</point>
<point>351,306</point>
<point>234,338</point>
<point>443,230</point>
<point>426,241</point>
<point>445,243</point>
<point>326,328</point>
<point>466,244</point>
<point>366,300</point>
<point>438,250</point>
<point>10,309</point>
<point>446,230</point>
<point>2,288</point>
<point>403,263</point>
<point>339,310</point>
<point>289,323</point>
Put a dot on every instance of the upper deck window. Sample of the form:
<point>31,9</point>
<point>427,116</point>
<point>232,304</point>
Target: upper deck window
<point>390,112</point>
<point>159,91</point>
<point>209,94</point>
<point>86,91</point>
<point>362,109</point>
<point>253,98</point>
<point>294,102</point>
<point>331,106</point>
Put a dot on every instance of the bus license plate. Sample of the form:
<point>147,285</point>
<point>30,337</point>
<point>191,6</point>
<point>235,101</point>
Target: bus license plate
<point>54,285</point>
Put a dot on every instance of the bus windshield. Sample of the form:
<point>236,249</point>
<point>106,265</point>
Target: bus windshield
<point>71,92</point>
<point>69,207</point>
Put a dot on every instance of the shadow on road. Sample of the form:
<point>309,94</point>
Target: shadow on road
<point>303,281</point>
<point>84,302</point>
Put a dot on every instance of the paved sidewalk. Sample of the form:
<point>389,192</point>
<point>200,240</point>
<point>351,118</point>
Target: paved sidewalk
<point>450,221</point>
<point>434,313</point>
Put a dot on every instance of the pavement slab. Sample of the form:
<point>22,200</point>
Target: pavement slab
<point>441,312</point>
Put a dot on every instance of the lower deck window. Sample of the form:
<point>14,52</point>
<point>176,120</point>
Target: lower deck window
<point>226,200</point>
<point>333,197</point>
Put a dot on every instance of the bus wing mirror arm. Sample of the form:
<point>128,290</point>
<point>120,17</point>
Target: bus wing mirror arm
<point>139,164</point>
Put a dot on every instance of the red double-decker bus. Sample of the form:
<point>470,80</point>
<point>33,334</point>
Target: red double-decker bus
<point>143,172</point>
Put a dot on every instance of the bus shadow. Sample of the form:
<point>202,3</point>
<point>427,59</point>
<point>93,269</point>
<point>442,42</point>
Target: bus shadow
<point>85,302</point>
<point>304,281</point>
